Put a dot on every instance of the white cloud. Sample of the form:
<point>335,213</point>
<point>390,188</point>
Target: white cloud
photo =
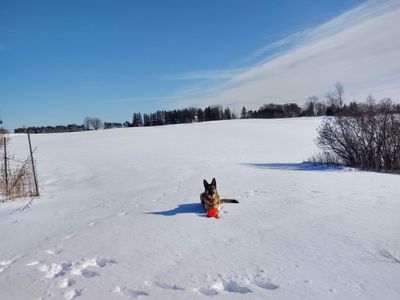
<point>204,75</point>
<point>360,48</point>
<point>142,99</point>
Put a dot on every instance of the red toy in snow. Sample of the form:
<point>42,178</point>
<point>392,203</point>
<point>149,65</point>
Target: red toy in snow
<point>212,213</point>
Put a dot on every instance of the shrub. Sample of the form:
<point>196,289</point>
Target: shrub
<point>364,136</point>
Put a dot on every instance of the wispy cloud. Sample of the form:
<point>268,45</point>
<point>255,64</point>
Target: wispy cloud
<point>356,15</point>
<point>143,99</point>
<point>204,74</point>
<point>359,48</point>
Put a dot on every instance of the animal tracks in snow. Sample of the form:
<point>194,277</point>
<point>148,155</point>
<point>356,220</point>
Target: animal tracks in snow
<point>130,293</point>
<point>66,270</point>
<point>167,286</point>
<point>139,292</point>
<point>97,221</point>
<point>5,264</point>
<point>267,284</point>
<point>221,285</point>
<point>66,282</point>
<point>54,270</point>
<point>238,284</point>
<point>55,251</point>
<point>93,223</point>
<point>72,294</point>
<point>34,263</point>
<point>70,277</point>
<point>68,237</point>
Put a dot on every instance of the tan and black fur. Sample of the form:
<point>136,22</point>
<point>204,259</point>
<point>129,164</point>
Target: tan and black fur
<point>210,197</point>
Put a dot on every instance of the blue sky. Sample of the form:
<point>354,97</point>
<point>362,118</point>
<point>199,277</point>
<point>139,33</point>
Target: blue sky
<point>61,61</point>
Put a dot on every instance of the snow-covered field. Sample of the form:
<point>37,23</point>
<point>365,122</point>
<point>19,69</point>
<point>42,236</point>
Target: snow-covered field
<point>119,218</point>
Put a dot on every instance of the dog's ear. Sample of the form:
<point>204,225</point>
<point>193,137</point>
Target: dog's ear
<point>213,182</point>
<point>205,183</point>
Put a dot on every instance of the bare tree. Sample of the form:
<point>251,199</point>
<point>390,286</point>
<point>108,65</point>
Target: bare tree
<point>339,92</point>
<point>311,106</point>
<point>96,123</point>
<point>370,100</point>
<point>320,108</point>
<point>331,99</point>
<point>335,100</point>
<point>92,123</point>
<point>86,123</point>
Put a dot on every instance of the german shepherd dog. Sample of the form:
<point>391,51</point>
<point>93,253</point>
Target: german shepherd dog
<point>210,197</point>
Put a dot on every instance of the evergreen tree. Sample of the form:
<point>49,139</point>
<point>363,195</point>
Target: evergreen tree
<point>243,114</point>
<point>227,114</point>
<point>137,120</point>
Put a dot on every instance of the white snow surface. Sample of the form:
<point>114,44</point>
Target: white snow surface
<point>119,218</point>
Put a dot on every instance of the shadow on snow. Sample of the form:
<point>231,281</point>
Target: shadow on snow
<point>189,208</point>
<point>304,166</point>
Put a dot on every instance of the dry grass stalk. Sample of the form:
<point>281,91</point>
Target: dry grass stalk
<point>20,182</point>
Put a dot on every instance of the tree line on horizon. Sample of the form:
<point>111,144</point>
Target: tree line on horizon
<point>332,105</point>
<point>185,115</point>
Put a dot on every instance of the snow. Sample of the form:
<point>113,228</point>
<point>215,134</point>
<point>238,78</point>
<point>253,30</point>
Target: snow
<point>119,218</point>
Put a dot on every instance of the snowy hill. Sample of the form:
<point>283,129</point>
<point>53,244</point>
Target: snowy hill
<point>119,218</point>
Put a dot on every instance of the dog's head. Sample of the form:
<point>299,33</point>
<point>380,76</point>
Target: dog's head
<point>210,188</point>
